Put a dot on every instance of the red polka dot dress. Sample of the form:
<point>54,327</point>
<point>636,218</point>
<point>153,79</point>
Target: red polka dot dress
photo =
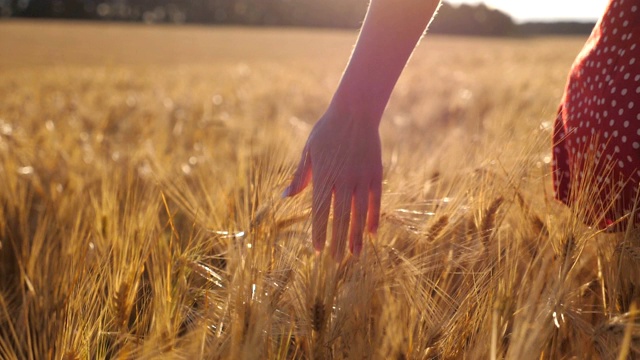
<point>596,138</point>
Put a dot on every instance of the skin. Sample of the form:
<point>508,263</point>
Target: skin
<point>342,155</point>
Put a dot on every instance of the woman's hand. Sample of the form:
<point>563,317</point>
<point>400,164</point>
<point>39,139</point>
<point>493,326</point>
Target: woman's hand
<point>343,157</point>
<point>342,154</point>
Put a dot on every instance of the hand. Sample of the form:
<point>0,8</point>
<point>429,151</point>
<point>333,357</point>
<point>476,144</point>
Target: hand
<point>342,156</point>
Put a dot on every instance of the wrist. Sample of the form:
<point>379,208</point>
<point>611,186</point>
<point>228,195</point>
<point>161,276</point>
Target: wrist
<point>360,109</point>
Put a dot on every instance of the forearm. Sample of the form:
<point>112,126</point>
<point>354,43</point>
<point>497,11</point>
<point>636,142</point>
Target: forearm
<point>390,32</point>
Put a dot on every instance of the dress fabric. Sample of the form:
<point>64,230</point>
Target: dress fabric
<point>596,137</point>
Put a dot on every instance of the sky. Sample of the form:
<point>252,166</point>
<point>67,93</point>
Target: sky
<point>546,10</point>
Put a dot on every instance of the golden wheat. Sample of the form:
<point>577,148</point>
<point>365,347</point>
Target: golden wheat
<point>141,215</point>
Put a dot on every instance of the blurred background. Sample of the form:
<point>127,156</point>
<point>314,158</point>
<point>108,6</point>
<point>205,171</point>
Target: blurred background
<point>498,18</point>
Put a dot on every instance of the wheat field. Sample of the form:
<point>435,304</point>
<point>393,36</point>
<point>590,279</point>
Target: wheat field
<point>141,217</point>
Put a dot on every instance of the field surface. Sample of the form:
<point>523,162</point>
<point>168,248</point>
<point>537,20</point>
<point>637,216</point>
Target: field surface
<point>141,218</point>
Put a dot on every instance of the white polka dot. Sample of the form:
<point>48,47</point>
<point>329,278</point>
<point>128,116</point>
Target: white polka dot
<point>638,90</point>
<point>629,158</point>
<point>630,106</point>
<point>615,134</point>
<point>636,145</point>
<point>609,61</point>
<point>626,123</point>
<point>616,149</point>
<point>627,76</point>
<point>605,113</point>
<point>620,112</point>
<point>613,102</point>
<point>634,8</point>
<point>615,31</point>
<point>625,23</point>
<point>621,164</point>
<point>623,92</point>
<point>637,78</point>
<point>611,122</point>
<point>632,61</point>
<point>613,90</point>
<point>624,139</point>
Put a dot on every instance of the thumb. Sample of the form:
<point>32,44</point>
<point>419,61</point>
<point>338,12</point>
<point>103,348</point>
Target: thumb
<point>301,177</point>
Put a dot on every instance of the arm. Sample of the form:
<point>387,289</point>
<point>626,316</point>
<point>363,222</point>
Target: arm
<point>390,32</point>
<point>342,154</point>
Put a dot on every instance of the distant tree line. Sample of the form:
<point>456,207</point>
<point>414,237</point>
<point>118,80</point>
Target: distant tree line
<point>567,27</point>
<point>463,19</point>
<point>477,20</point>
<point>325,13</point>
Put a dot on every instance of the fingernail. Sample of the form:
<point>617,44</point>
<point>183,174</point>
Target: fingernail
<point>319,246</point>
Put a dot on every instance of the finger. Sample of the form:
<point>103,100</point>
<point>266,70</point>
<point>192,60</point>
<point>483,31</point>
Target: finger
<point>375,195</point>
<point>301,177</point>
<point>320,209</point>
<point>341,215</point>
<point>358,219</point>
